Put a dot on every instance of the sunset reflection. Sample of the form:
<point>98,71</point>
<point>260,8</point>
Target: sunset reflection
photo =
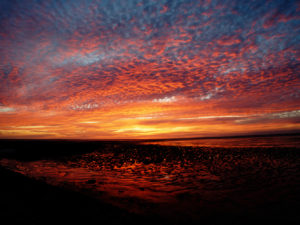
<point>150,112</point>
<point>128,175</point>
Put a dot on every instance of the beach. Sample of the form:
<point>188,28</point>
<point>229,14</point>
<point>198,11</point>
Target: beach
<point>132,183</point>
<point>27,201</point>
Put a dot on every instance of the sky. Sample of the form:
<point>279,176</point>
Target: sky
<point>114,69</point>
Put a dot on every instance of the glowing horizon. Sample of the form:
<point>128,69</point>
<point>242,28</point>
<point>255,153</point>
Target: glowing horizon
<point>148,69</point>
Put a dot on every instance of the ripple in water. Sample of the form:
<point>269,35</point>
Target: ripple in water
<point>195,178</point>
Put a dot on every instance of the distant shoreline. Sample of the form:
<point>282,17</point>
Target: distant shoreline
<point>152,139</point>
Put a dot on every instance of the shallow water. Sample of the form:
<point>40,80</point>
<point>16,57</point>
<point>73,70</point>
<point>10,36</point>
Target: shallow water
<point>175,180</point>
<point>292,141</point>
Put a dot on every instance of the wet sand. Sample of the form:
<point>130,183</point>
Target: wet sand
<point>30,201</point>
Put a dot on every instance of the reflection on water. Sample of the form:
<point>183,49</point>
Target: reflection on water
<point>194,178</point>
<point>121,175</point>
<point>243,142</point>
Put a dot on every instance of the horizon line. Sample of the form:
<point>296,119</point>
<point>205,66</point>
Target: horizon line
<point>150,139</point>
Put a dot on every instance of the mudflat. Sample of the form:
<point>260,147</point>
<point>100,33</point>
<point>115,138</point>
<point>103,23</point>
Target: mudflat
<point>65,182</point>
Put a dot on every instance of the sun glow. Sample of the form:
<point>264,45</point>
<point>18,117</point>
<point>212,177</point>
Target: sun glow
<point>157,70</point>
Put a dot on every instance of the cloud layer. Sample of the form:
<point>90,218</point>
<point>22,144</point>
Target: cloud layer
<point>102,69</point>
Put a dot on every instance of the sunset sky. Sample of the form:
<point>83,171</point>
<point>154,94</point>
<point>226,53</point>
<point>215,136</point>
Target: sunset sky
<point>148,69</point>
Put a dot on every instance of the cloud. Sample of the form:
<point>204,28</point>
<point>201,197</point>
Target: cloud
<point>177,58</point>
<point>6,109</point>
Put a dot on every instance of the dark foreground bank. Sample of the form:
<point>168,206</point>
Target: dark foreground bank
<point>27,201</point>
<point>256,186</point>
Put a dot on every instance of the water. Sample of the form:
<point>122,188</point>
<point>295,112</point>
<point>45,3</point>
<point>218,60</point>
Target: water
<point>238,142</point>
<point>178,178</point>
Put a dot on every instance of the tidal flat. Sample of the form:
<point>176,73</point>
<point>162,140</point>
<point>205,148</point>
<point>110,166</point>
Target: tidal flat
<point>229,181</point>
